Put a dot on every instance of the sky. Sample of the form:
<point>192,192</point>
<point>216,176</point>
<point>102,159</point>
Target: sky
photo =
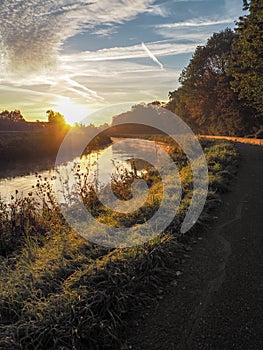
<point>77,57</point>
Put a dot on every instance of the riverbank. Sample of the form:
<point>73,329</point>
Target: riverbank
<point>78,295</point>
<point>30,146</point>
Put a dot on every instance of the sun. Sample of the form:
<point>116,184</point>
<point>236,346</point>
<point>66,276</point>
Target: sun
<point>72,112</point>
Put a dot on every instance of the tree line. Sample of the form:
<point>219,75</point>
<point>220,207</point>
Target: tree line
<point>221,89</point>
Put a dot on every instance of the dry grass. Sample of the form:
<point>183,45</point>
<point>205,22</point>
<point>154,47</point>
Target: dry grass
<point>59,291</point>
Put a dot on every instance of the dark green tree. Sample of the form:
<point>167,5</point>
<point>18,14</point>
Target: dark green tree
<point>246,56</point>
<point>205,99</point>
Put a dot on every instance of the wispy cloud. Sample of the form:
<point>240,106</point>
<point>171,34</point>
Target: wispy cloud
<point>151,55</point>
<point>198,22</point>
<point>105,31</point>
<point>99,77</point>
<point>81,89</point>
<point>197,30</point>
<point>33,31</point>
<point>158,10</point>
<point>130,52</point>
<point>37,70</point>
<point>113,81</point>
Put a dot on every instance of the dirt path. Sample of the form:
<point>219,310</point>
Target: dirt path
<point>218,302</point>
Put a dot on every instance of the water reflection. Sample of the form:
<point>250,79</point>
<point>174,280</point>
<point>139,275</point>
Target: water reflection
<point>18,168</point>
<point>21,176</point>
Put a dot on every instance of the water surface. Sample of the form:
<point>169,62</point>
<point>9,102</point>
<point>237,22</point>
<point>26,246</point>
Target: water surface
<point>21,176</point>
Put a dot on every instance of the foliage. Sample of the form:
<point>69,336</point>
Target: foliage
<point>31,145</point>
<point>14,116</point>
<point>20,140</point>
<point>246,56</point>
<point>59,291</point>
<point>55,118</point>
<point>205,100</point>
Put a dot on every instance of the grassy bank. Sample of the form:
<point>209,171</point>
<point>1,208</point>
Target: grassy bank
<point>59,291</point>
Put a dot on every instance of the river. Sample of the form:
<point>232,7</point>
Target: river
<point>20,177</point>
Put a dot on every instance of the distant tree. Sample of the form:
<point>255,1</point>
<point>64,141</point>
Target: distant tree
<point>55,118</point>
<point>246,56</point>
<point>155,103</point>
<point>13,116</point>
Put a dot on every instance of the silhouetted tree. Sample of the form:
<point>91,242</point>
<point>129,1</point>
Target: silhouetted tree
<point>55,118</point>
<point>13,116</point>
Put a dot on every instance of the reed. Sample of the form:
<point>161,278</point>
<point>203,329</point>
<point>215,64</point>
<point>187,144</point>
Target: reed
<point>59,291</point>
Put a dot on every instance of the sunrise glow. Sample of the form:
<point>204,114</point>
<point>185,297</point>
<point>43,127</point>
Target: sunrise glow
<point>72,112</point>
<point>129,51</point>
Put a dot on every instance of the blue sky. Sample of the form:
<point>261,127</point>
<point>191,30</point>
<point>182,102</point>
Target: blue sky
<point>80,56</point>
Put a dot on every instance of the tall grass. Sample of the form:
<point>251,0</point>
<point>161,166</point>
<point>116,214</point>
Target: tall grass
<point>59,291</point>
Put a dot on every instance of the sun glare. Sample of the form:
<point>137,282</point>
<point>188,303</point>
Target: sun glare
<point>72,112</point>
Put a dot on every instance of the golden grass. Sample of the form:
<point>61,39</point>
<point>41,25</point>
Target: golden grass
<point>59,291</point>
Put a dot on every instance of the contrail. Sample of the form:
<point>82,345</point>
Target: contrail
<point>81,89</point>
<point>151,55</point>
